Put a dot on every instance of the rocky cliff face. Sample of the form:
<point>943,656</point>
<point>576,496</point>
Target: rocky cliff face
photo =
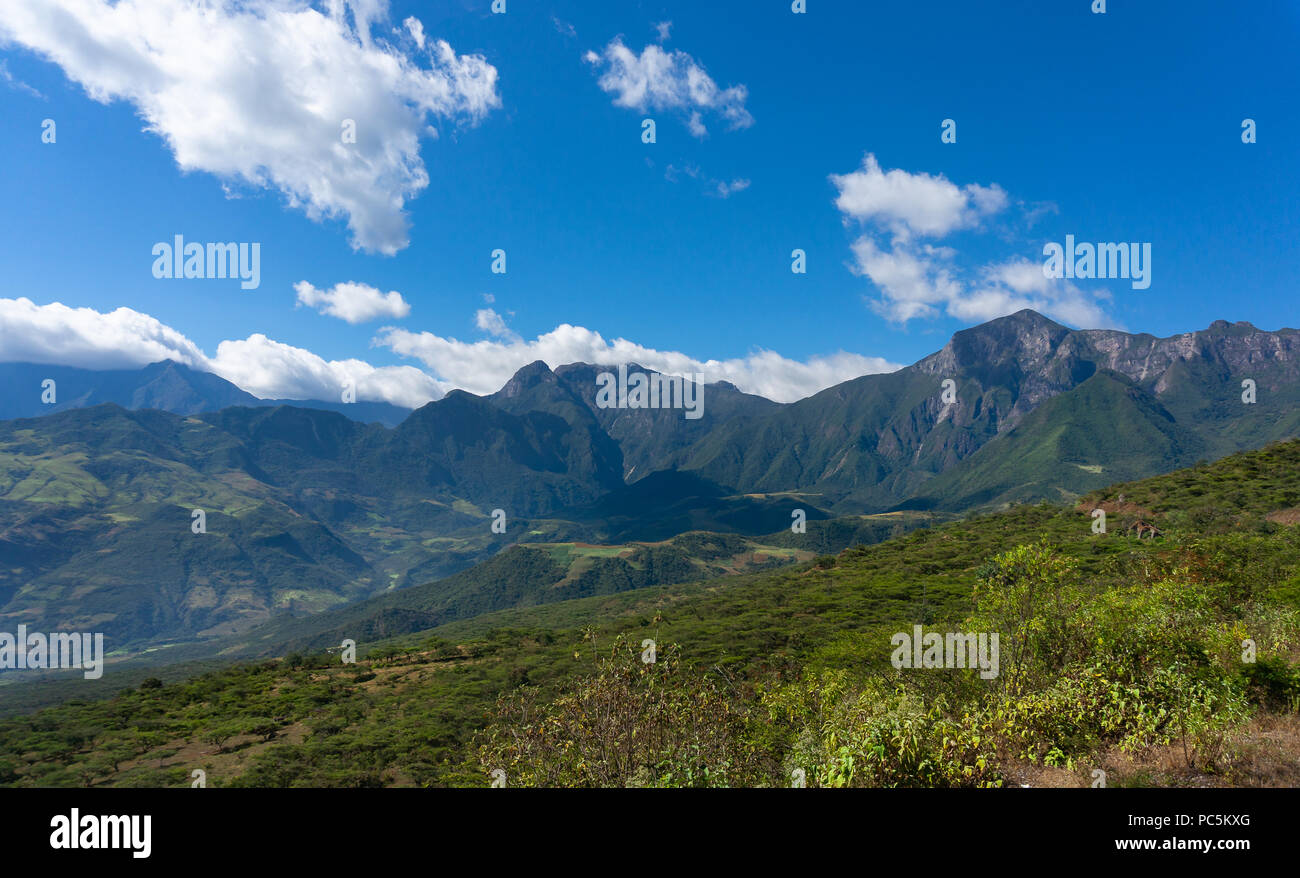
<point>875,440</point>
<point>1038,359</point>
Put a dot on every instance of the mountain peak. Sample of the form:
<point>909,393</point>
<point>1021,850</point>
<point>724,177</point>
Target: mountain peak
<point>1027,318</point>
<point>528,377</point>
<point>1223,325</point>
<point>1025,324</point>
<point>1025,338</point>
<point>172,367</point>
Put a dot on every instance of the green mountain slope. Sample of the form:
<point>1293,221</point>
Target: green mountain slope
<point>423,708</point>
<point>304,509</point>
<point>876,441</point>
<point>521,576</point>
<point>310,509</point>
<point>1103,431</point>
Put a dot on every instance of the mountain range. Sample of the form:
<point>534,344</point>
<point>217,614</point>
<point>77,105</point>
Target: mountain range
<point>306,509</point>
<point>166,385</point>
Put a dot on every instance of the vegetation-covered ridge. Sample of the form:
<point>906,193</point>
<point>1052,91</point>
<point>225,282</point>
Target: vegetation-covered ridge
<point>304,510</point>
<point>1165,660</point>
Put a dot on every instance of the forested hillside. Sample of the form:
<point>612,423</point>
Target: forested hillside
<point>1160,660</point>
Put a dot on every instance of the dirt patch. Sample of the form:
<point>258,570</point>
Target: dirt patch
<point>1264,753</point>
<point>1029,775</point>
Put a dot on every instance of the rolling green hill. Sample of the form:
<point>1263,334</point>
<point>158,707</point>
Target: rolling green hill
<point>790,666</point>
<point>310,510</point>
<point>304,510</point>
<point>521,576</point>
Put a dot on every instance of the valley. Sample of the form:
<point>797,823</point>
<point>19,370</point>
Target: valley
<point>770,551</point>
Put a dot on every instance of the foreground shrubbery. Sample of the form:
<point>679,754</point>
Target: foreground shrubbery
<point>1154,662</point>
<point>631,723</point>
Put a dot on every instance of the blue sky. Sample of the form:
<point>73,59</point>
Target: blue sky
<point>1124,126</point>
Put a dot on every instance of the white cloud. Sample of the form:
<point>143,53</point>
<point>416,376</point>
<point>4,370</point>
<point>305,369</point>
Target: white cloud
<point>352,301</point>
<point>1034,212</point>
<point>726,190</point>
<point>270,369</point>
<point>660,80</point>
<point>910,204</point>
<point>663,28</point>
<point>484,366</point>
<point>17,84</point>
<point>912,281</point>
<point>127,339</point>
<point>89,339</point>
<point>712,186</point>
<point>416,30</point>
<point>492,323</point>
<point>1011,286</point>
<point>256,91</point>
<point>920,280</point>
<point>563,27</point>
<point>671,172</point>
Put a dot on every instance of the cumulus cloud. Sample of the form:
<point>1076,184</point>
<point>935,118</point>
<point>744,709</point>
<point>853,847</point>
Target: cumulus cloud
<point>921,280</point>
<point>127,339</point>
<point>912,281</point>
<point>270,369</point>
<point>494,324</point>
<point>1011,286</point>
<point>484,366</point>
<point>89,339</point>
<point>353,302</point>
<point>416,29</point>
<point>910,204</point>
<point>257,91</point>
<point>663,28</point>
<point>660,80</point>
